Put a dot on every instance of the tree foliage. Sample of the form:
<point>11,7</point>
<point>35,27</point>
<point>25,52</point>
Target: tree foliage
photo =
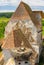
<point>8,14</point>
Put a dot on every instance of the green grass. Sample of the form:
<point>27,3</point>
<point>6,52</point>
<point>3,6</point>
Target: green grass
<point>43,26</point>
<point>4,19</point>
<point>41,60</point>
<point>3,23</point>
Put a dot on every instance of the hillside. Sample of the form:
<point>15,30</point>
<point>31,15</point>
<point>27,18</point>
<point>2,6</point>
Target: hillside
<point>6,14</point>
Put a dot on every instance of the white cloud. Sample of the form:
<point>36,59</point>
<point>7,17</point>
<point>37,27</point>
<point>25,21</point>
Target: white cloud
<point>3,2</point>
<point>35,2</point>
<point>9,2</point>
<point>16,2</point>
<point>6,10</point>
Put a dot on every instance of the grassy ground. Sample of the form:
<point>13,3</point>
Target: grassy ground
<point>3,23</point>
<point>43,26</point>
<point>4,19</point>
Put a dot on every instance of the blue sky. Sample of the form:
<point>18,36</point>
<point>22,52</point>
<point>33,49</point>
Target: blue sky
<point>11,5</point>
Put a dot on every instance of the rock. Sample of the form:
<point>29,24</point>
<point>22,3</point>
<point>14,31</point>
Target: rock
<point>7,54</point>
<point>10,62</point>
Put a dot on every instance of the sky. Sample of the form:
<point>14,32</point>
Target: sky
<point>11,5</point>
